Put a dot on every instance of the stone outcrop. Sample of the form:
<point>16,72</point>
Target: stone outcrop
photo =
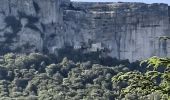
<point>121,30</point>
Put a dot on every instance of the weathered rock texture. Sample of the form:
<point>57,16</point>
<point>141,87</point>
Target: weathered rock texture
<point>122,30</point>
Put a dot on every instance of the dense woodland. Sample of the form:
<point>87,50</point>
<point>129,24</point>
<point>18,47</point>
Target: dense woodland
<point>46,77</point>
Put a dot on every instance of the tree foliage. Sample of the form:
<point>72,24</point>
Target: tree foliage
<point>38,77</point>
<point>154,83</point>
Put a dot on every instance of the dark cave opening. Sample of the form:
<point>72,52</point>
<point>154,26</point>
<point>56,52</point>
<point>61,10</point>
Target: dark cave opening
<point>14,23</point>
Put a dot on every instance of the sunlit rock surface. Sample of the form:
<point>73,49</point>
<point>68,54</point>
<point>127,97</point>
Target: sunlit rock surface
<point>120,30</point>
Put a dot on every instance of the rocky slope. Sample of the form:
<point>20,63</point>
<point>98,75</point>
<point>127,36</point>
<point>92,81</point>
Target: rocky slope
<point>121,30</point>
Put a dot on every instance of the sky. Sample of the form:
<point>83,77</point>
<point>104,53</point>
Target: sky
<point>145,1</point>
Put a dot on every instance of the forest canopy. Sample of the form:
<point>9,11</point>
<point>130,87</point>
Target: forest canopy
<point>41,77</point>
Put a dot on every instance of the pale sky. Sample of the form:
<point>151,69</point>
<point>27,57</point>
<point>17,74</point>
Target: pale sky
<point>145,1</point>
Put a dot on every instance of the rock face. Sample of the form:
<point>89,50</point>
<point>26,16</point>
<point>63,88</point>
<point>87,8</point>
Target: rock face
<point>121,30</point>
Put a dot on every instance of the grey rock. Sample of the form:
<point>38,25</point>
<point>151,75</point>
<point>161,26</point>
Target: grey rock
<point>124,30</point>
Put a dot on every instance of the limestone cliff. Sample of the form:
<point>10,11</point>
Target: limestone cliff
<point>122,30</point>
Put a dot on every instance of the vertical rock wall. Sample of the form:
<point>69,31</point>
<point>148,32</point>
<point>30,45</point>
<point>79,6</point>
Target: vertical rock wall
<point>27,24</point>
<point>129,30</point>
<point>122,30</point>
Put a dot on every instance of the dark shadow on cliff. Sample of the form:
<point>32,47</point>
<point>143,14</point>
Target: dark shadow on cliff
<point>95,57</point>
